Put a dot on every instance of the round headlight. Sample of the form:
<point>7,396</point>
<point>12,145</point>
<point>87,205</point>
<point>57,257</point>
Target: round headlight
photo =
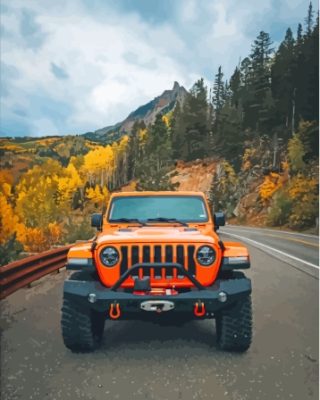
<point>206,255</point>
<point>109,256</point>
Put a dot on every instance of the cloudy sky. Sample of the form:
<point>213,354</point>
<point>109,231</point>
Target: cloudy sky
<point>79,65</point>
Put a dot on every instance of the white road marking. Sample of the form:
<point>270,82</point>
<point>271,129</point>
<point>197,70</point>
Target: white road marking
<point>248,229</point>
<point>272,249</point>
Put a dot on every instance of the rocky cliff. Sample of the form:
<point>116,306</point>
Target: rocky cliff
<point>147,112</point>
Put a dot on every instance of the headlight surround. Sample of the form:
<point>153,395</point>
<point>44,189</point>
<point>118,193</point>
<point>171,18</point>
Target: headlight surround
<point>206,256</point>
<point>109,256</point>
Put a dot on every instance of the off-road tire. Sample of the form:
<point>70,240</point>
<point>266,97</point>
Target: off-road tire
<point>234,330</point>
<point>82,328</point>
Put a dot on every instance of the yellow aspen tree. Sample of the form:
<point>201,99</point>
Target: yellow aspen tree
<point>9,222</point>
<point>270,185</point>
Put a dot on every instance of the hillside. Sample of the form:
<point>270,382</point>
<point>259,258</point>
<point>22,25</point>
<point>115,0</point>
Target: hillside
<point>196,175</point>
<point>18,155</point>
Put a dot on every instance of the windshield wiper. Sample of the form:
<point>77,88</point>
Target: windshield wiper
<point>162,219</point>
<point>128,220</point>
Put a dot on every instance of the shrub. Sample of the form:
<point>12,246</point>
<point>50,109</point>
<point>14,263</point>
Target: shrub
<point>80,231</point>
<point>304,212</point>
<point>303,191</point>
<point>280,210</point>
<point>9,250</point>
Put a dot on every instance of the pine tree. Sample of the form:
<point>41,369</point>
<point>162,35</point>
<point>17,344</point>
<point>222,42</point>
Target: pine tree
<point>313,81</point>
<point>245,72</point>
<point>152,171</point>
<point>282,72</point>
<point>218,91</point>
<point>299,35</point>
<point>134,151</point>
<point>260,81</point>
<point>218,101</point>
<point>306,71</point>
<point>229,138</point>
<point>309,20</point>
<point>178,133</point>
<point>158,143</point>
<point>196,115</point>
<point>235,82</point>
<point>246,95</point>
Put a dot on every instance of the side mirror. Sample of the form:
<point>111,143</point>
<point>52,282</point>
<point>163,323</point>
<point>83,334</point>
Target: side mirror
<point>219,219</point>
<point>96,221</point>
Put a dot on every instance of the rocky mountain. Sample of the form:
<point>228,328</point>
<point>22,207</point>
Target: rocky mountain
<point>147,112</point>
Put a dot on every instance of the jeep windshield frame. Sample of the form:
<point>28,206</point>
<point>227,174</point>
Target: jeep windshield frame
<point>167,209</point>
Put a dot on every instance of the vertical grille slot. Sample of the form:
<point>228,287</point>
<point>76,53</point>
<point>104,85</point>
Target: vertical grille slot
<point>146,258</point>
<point>180,258</point>
<point>157,258</point>
<point>169,254</point>
<point>180,255</point>
<point>124,259</point>
<point>191,263</point>
<point>134,257</point>
<point>169,258</point>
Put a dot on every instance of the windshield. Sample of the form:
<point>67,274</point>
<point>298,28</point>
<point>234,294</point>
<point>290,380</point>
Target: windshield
<point>143,208</point>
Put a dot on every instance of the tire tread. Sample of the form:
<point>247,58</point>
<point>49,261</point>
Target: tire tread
<point>81,329</point>
<point>234,331</point>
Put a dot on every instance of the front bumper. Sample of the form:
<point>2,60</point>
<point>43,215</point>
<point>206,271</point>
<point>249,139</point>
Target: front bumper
<point>184,303</point>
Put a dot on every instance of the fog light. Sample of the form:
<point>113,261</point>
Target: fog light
<point>222,297</point>
<point>92,298</point>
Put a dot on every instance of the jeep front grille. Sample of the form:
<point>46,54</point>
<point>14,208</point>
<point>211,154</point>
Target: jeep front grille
<point>181,254</point>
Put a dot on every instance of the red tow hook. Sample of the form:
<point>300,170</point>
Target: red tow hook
<point>114,312</point>
<point>199,309</point>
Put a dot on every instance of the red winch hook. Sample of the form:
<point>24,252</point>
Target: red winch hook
<point>199,312</point>
<point>114,312</point>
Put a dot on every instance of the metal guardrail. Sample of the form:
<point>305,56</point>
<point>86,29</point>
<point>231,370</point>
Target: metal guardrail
<point>20,273</point>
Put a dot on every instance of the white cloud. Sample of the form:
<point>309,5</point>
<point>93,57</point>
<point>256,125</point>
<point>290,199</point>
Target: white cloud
<point>189,11</point>
<point>223,26</point>
<point>103,87</point>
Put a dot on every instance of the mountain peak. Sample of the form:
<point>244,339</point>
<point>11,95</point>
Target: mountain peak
<point>147,113</point>
<point>176,86</point>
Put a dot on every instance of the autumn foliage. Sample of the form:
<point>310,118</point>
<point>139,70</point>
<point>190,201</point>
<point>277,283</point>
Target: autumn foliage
<point>293,196</point>
<point>44,205</point>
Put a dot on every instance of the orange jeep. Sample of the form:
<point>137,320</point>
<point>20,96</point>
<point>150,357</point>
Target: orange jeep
<point>157,256</point>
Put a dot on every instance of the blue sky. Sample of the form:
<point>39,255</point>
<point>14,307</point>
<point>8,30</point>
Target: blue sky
<point>74,66</point>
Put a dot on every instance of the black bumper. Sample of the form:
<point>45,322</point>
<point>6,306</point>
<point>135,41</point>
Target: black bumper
<point>184,303</point>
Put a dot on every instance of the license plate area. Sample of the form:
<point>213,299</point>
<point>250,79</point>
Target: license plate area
<point>157,306</point>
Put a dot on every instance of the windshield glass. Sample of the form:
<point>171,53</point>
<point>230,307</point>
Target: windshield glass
<point>181,208</point>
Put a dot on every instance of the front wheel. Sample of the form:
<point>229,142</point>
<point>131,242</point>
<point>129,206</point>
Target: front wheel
<point>234,330</point>
<point>82,328</point>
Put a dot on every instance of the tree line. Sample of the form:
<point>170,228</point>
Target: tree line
<point>268,95</point>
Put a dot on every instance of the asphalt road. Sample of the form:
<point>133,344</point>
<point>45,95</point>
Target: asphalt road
<point>298,249</point>
<point>145,361</point>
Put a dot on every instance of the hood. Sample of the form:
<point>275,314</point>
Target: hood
<point>155,234</point>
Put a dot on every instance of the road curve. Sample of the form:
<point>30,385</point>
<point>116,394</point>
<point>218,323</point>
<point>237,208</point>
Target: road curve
<point>146,361</point>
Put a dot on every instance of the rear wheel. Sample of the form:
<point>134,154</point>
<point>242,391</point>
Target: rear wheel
<point>234,330</point>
